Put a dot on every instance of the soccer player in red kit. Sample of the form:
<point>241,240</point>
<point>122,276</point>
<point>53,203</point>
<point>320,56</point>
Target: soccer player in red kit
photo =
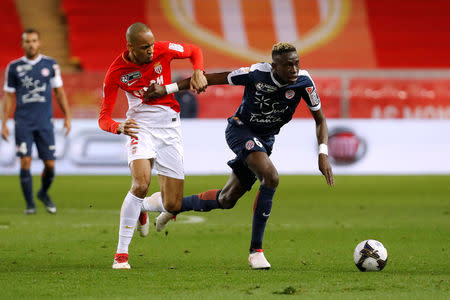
<point>153,126</point>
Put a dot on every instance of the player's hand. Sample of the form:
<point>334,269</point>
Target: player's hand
<point>127,127</point>
<point>154,91</point>
<point>325,168</point>
<point>198,81</point>
<point>5,132</point>
<point>67,125</point>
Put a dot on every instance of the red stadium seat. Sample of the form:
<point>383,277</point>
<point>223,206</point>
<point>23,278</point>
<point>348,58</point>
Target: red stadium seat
<point>10,30</point>
<point>97,29</point>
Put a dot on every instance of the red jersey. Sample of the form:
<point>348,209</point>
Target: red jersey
<point>134,79</point>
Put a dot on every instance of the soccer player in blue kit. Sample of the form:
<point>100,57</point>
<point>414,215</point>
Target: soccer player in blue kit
<point>29,81</point>
<point>272,93</point>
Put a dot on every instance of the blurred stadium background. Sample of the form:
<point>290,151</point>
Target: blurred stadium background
<point>382,69</point>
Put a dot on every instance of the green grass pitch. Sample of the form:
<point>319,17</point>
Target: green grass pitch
<point>309,241</point>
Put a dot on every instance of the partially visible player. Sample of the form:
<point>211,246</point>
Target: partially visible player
<point>272,93</point>
<point>29,82</point>
<point>153,127</point>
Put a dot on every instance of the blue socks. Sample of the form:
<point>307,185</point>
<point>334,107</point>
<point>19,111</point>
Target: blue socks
<point>47,179</point>
<point>201,202</point>
<point>26,181</point>
<point>261,212</point>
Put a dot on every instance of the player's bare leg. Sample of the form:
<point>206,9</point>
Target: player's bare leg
<point>171,196</point>
<point>46,180</point>
<point>225,198</point>
<point>265,171</point>
<point>231,192</point>
<point>171,192</point>
<point>141,176</point>
<point>26,182</point>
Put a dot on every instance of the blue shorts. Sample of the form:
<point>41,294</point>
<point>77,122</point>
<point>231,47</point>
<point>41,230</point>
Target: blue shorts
<point>44,138</point>
<point>243,141</point>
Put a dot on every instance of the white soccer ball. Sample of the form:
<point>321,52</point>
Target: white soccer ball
<point>370,255</point>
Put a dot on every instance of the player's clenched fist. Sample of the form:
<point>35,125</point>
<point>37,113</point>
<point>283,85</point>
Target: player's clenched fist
<point>127,127</point>
<point>198,81</point>
<point>154,91</point>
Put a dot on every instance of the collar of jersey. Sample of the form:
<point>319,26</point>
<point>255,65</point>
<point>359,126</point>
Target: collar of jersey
<point>276,81</point>
<point>125,59</point>
<point>32,62</point>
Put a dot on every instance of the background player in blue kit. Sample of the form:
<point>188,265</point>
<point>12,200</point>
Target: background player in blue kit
<point>272,93</point>
<point>29,81</point>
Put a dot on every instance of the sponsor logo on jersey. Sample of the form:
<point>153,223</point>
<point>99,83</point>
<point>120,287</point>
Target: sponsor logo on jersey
<point>313,96</point>
<point>249,145</point>
<point>176,47</point>
<point>45,72</point>
<point>131,76</point>
<point>158,68</point>
<point>265,88</point>
<point>289,94</point>
<point>23,68</point>
<point>345,147</point>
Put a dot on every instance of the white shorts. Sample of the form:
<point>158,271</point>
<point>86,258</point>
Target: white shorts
<point>164,145</point>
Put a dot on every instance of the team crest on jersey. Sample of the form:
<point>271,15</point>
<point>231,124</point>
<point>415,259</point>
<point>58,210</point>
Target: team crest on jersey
<point>289,94</point>
<point>131,76</point>
<point>45,72</point>
<point>249,145</point>
<point>158,68</point>
<point>313,95</point>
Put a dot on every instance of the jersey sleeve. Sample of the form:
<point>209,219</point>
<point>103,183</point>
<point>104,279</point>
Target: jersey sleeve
<point>239,76</point>
<point>10,80</point>
<point>180,51</point>
<point>56,80</point>
<point>110,90</point>
<point>309,93</point>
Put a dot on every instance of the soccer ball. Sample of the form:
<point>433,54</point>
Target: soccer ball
<point>370,255</point>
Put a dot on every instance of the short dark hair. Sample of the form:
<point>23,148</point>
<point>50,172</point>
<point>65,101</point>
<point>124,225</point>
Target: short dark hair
<point>282,47</point>
<point>31,30</point>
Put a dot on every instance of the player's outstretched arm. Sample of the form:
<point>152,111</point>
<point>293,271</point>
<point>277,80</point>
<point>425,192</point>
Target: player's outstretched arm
<point>322,139</point>
<point>157,91</point>
<point>7,107</point>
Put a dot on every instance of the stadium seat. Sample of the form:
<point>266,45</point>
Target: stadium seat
<point>97,29</point>
<point>10,30</point>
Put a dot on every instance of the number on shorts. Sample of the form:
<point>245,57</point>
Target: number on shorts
<point>23,148</point>
<point>257,142</point>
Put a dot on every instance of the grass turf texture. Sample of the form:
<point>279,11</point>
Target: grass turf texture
<point>309,241</point>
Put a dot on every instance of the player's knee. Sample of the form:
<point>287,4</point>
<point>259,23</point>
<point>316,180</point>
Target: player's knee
<point>139,189</point>
<point>270,180</point>
<point>25,162</point>
<point>226,202</point>
<point>49,165</point>
<point>172,206</point>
